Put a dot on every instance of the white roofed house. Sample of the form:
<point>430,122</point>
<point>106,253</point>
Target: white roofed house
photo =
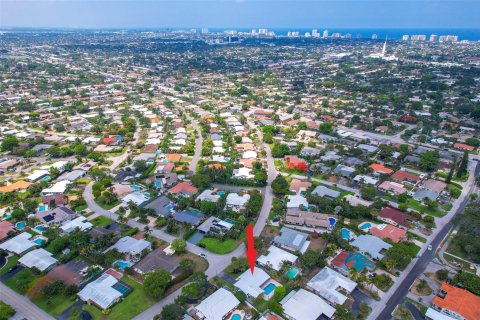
<point>304,305</point>
<point>40,259</point>
<point>237,202</point>
<point>243,173</point>
<point>327,283</point>
<point>276,257</point>
<point>59,187</point>
<point>217,306</point>
<point>131,247</point>
<point>295,201</point>
<point>253,284</point>
<point>101,292</point>
<point>19,244</point>
<point>80,223</point>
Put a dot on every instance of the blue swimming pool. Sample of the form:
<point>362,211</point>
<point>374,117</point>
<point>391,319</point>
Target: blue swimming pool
<point>229,221</point>
<point>38,241</point>
<point>20,225</point>
<point>346,234</point>
<point>42,208</point>
<point>227,159</point>
<point>292,273</point>
<point>236,316</point>
<point>221,193</point>
<point>170,206</point>
<point>40,227</point>
<point>46,178</point>
<point>332,221</point>
<point>122,265</point>
<point>365,226</point>
<point>135,187</point>
<point>269,289</point>
<point>158,184</point>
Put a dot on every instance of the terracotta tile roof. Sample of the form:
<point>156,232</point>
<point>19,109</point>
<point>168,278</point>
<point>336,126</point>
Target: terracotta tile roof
<point>173,157</point>
<point>19,185</point>
<point>380,168</point>
<point>460,301</point>
<point>183,187</point>
<point>296,185</point>
<point>463,146</point>
<point>5,228</point>
<point>388,231</point>
<point>404,175</point>
<point>340,259</point>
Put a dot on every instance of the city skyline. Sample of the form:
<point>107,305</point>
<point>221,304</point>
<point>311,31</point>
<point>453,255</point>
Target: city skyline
<point>240,14</point>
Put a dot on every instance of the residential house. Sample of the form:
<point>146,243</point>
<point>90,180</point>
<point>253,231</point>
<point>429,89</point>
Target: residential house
<point>276,257</point>
<point>157,259</point>
<point>299,186</point>
<point>56,215</point>
<point>304,305</point>
<point>101,292</point>
<point>372,245</point>
<point>387,231</point>
<point>296,202</point>
<point>6,229</point>
<point>323,191</point>
<point>217,306</point>
<point>457,303</point>
<point>19,244</point>
<point>40,259</point>
<point>390,186</point>
<point>253,284</point>
<point>131,247</point>
<point>396,217</point>
<point>192,217</point>
<point>292,240</point>
<point>183,189</point>
<point>328,284</point>
<point>163,206</point>
<point>237,202</point>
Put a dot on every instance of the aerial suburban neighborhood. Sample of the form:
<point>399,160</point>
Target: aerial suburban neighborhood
<point>132,162</point>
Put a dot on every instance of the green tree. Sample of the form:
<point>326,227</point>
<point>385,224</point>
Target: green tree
<point>6,311</point>
<point>172,312</point>
<point>429,160</point>
<point>9,143</point>
<point>156,282</point>
<point>462,167</point>
<point>368,193</point>
<point>179,245</point>
<point>280,185</point>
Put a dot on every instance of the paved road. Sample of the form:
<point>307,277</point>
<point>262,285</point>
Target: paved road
<point>25,308</point>
<point>119,159</point>
<point>198,145</point>
<point>400,288</point>
<point>325,182</point>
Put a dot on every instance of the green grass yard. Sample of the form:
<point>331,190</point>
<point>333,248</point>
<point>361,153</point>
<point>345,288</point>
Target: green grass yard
<point>417,206</point>
<point>101,221</point>
<point>220,247</point>
<point>10,263</point>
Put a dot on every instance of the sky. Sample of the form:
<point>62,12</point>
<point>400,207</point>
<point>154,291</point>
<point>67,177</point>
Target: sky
<point>240,13</point>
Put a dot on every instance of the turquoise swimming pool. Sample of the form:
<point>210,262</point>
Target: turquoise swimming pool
<point>221,193</point>
<point>122,265</point>
<point>229,220</point>
<point>135,187</point>
<point>236,316</point>
<point>292,273</point>
<point>38,241</point>
<point>40,227</point>
<point>158,184</point>
<point>345,234</point>
<point>365,226</point>
<point>269,289</point>
<point>46,178</point>
<point>42,208</point>
<point>20,225</point>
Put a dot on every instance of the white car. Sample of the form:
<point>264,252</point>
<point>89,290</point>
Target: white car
<point>429,247</point>
<point>203,255</point>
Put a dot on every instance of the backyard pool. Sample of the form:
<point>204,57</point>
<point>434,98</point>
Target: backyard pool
<point>42,208</point>
<point>158,184</point>
<point>269,289</point>
<point>221,193</point>
<point>39,228</point>
<point>135,187</point>
<point>292,273</point>
<point>122,265</point>
<point>38,241</point>
<point>346,234</point>
<point>122,288</point>
<point>20,225</point>
<point>365,226</point>
<point>230,221</point>
<point>46,178</point>
<point>332,221</point>
<point>236,316</point>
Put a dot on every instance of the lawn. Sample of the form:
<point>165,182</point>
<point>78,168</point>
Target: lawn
<point>108,206</point>
<point>220,247</point>
<point>10,263</point>
<point>21,281</point>
<point>101,221</point>
<point>416,237</point>
<point>81,208</point>
<point>84,181</point>
<point>56,305</point>
<point>415,205</point>
<point>133,304</point>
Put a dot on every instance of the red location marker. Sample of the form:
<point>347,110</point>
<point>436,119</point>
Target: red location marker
<point>251,253</point>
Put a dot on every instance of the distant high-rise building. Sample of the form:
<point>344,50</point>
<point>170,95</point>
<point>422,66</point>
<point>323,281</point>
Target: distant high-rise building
<point>348,36</point>
<point>204,30</point>
<point>449,38</point>
<point>336,35</point>
<point>307,34</point>
<point>262,31</point>
<point>374,36</point>
<point>254,31</point>
<point>293,34</point>
<point>325,33</point>
<point>418,37</point>
<point>231,32</point>
<point>433,38</point>
<point>315,33</point>
<point>193,30</point>
<point>405,37</point>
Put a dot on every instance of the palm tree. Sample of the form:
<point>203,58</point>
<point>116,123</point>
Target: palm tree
<point>390,265</point>
<point>353,273</point>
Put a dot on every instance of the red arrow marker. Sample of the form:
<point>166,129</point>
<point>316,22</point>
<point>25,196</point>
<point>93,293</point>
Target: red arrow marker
<point>251,253</point>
